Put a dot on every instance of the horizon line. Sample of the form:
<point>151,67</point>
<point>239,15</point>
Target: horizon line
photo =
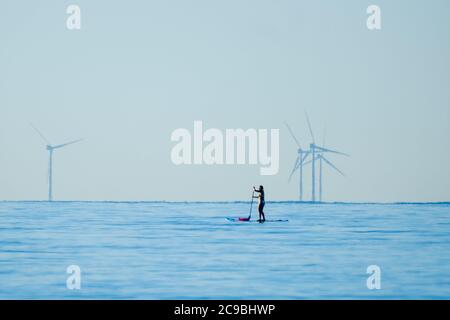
<point>230,201</point>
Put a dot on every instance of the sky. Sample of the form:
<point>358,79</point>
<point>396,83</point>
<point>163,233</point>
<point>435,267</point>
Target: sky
<point>138,70</point>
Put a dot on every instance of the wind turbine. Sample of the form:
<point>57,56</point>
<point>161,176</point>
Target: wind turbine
<point>299,162</point>
<point>50,148</point>
<point>318,154</point>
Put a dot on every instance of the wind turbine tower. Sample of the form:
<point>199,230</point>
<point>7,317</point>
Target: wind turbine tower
<point>312,147</point>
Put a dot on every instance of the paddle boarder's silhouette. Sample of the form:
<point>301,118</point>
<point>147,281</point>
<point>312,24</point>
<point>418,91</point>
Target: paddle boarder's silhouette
<point>261,204</point>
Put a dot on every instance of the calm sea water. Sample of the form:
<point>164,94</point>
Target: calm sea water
<point>145,250</point>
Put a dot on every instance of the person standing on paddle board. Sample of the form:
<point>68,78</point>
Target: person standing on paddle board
<point>262,203</point>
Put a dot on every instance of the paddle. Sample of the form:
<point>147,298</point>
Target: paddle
<point>251,205</point>
<point>251,208</point>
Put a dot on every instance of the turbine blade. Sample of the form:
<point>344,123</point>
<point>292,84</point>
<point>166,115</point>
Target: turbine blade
<point>310,127</point>
<point>40,134</point>
<point>66,144</point>
<point>332,165</point>
<point>293,135</point>
<point>296,165</point>
<point>332,151</point>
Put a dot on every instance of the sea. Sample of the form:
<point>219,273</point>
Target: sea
<point>189,250</point>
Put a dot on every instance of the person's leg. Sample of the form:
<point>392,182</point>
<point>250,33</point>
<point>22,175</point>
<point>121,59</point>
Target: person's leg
<point>262,213</point>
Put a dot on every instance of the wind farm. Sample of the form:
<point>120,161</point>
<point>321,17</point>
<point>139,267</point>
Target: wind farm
<point>51,148</point>
<point>309,156</point>
<point>215,161</point>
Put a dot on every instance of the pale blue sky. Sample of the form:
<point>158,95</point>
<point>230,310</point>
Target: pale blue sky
<point>137,70</point>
